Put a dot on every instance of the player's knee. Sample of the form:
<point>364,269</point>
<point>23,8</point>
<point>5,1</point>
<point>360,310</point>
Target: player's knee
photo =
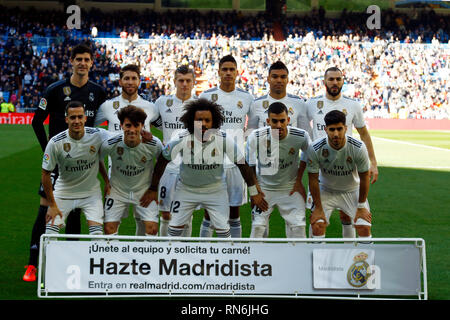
<point>110,228</point>
<point>363,231</point>
<point>165,215</point>
<point>345,218</point>
<point>234,212</point>
<point>151,228</point>
<point>319,228</point>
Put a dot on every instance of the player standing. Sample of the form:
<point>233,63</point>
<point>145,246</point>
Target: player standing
<point>76,88</point>
<point>236,106</point>
<point>343,164</point>
<point>131,171</point>
<point>317,107</point>
<point>282,185</point>
<point>170,109</point>
<point>201,171</point>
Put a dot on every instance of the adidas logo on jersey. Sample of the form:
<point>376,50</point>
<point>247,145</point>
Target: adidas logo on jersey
<point>169,110</point>
<point>68,156</point>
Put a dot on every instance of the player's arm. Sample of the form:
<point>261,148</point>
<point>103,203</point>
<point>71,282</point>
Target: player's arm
<point>53,209</point>
<point>364,185</point>
<point>313,167</point>
<point>365,137</point>
<point>299,187</point>
<point>151,194</point>
<point>160,166</point>
<point>104,174</point>
<point>256,195</point>
<point>38,122</point>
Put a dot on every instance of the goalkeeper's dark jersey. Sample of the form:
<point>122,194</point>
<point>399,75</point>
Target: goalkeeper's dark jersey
<point>53,103</point>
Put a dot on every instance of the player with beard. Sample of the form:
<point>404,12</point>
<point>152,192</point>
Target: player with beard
<point>319,106</point>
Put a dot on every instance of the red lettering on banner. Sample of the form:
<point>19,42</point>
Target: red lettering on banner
<point>17,118</point>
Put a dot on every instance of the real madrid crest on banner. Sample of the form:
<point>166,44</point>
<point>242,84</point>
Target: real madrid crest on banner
<point>358,273</point>
<point>265,104</point>
<point>116,105</point>
<point>319,104</point>
<point>325,153</point>
<point>214,97</point>
<point>169,102</point>
<point>240,104</point>
<point>66,147</point>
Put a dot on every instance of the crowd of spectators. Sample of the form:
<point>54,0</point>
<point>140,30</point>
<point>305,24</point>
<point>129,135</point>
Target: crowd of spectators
<point>392,72</point>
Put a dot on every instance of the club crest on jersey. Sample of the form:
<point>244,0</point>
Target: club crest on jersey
<point>240,104</point>
<point>214,97</point>
<point>291,111</point>
<point>116,105</point>
<point>144,159</point>
<point>344,111</point>
<point>119,151</point>
<point>91,96</point>
<point>292,151</point>
<point>358,273</point>
<point>43,104</point>
<point>92,150</point>
<point>325,153</point>
<point>265,104</point>
<point>169,102</point>
<point>67,91</point>
<point>349,159</point>
<point>66,147</point>
<point>319,104</point>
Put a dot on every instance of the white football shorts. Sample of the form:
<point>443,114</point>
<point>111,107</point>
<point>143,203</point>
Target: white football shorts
<point>92,208</point>
<point>344,201</point>
<point>116,208</point>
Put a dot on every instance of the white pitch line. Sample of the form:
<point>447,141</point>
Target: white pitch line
<point>412,167</point>
<point>412,144</point>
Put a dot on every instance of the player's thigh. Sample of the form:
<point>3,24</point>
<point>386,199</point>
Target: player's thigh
<point>348,203</point>
<point>166,190</point>
<point>217,205</point>
<point>65,206</point>
<point>182,207</point>
<point>115,209</point>
<point>92,208</point>
<point>292,208</point>
<point>329,203</point>
<point>149,213</point>
<point>259,217</point>
<point>236,187</point>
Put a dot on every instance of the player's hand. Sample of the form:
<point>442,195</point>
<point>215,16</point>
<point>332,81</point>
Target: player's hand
<point>148,197</point>
<point>317,215</point>
<point>300,188</point>
<point>259,201</point>
<point>363,213</point>
<point>146,135</point>
<point>52,212</point>
<point>373,173</point>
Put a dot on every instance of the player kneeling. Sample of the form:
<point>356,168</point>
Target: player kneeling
<point>343,163</point>
<point>131,173</point>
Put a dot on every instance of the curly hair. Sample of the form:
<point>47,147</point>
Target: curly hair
<point>134,114</point>
<point>202,105</point>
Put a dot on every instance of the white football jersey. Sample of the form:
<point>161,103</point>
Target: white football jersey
<point>318,107</point>
<point>202,163</point>
<point>284,156</point>
<point>296,111</point>
<point>170,109</point>
<point>109,109</point>
<point>77,161</point>
<point>236,108</point>
<point>338,168</point>
<point>132,168</point>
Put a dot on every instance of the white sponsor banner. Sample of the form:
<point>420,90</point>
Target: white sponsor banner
<point>171,267</point>
<point>342,268</point>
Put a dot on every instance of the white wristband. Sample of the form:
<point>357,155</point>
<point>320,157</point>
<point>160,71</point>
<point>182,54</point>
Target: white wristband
<point>252,191</point>
<point>361,205</point>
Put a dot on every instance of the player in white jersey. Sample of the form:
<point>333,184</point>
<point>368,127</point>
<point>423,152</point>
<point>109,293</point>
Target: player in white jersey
<point>129,81</point>
<point>75,152</point>
<point>170,109</point>
<point>236,107</point>
<point>334,100</point>
<point>201,179</point>
<point>131,171</point>
<point>278,80</point>
<point>343,164</point>
<point>274,153</point>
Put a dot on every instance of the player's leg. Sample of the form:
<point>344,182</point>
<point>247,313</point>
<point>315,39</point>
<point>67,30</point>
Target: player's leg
<point>206,228</point>
<point>349,205</point>
<point>73,222</point>
<point>260,219</point>
<point>237,196</point>
<point>319,227</point>
<point>115,210</point>
<point>166,190</point>
<point>182,207</point>
<point>217,204</point>
<point>292,210</point>
<point>150,216</point>
<point>65,206</point>
<point>92,208</point>
<point>348,229</point>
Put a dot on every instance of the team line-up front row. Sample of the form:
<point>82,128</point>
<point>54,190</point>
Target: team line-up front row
<point>192,170</point>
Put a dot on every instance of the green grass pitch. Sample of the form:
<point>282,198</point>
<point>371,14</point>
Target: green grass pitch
<point>410,199</point>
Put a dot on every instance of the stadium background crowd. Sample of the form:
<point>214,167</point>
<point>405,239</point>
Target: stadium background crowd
<point>399,71</point>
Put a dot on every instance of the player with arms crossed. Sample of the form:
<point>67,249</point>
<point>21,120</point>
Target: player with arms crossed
<point>343,164</point>
<point>236,106</point>
<point>201,179</point>
<point>282,182</point>
<point>334,100</point>
<point>131,172</point>
<point>129,81</point>
<point>76,88</point>
<point>170,109</point>
<point>75,152</point>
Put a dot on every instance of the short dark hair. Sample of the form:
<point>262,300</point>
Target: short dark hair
<point>202,105</point>
<point>130,67</point>
<point>278,66</point>
<point>81,48</point>
<point>134,114</point>
<point>334,117</point>
<point>184,69</point>
<point>277,108</point>
<point>73,104</point>
<point>330,70</point>
<point>227,58</point>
